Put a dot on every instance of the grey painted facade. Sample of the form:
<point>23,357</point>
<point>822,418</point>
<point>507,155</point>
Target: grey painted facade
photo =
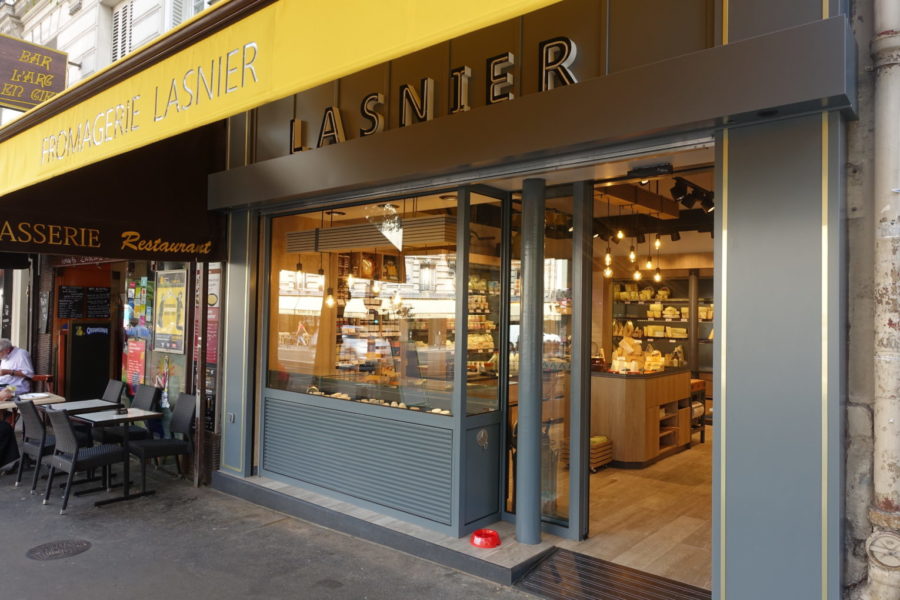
<point>781,269</point>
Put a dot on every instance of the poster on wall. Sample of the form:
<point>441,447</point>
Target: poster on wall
<point>135,363</point>
<point>169,310</point>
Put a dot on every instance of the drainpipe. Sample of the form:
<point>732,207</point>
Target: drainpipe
<point>883,545</point>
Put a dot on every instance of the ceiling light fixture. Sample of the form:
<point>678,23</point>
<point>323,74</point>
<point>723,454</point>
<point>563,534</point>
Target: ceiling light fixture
<point>620,234</point>
<point>706,202</point>
<point>680,190</point>
<point>329,299</point>
<point>647,173</point>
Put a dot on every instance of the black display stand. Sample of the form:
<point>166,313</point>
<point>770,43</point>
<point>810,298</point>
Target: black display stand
<point>87,362</point>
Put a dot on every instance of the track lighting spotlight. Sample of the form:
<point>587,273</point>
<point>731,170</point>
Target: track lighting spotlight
<point>680,190</point>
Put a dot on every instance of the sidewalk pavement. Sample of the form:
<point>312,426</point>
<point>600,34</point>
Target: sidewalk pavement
<point>185,542</point>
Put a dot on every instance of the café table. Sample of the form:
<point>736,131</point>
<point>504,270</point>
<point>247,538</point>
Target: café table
<point>108,418</point>
<point>82,406</point>
<point>39,399</point>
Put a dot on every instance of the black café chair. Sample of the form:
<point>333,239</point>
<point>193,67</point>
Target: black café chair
<point>37,442</point>
<point>112,394</point>
<point>68,457</point>
<point>113,391</point>
<point>182,420</point>
<point>146,398</point>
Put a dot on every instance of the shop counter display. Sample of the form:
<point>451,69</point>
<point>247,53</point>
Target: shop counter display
<point>647,416</point>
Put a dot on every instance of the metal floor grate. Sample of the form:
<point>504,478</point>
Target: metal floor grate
<point>567,575</point>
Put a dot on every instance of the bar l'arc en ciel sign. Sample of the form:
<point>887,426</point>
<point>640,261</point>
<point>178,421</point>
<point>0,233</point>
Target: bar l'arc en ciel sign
<point>29,73</point>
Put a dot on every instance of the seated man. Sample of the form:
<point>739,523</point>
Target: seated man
<point>15,367</point>
<point>9,450</point>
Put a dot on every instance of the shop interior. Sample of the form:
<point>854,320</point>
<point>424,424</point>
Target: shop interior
<point>363,308</point>
<point>651,315</point>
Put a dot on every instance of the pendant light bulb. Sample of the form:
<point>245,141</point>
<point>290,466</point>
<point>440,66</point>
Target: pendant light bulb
<point>607,272</point>
<point>657,277</point>
<point>649,264</point>
<point>620,234</point>
<point>376,287</point>
<point>329,299</point>
<point>631,254</point>
<point>657,243</point>
<point>607,260</point>
<point>636,275</point>
<point>397,300</point>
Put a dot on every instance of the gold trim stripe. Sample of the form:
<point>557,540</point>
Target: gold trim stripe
<point>725,21</point>
<point>825,317</point>
<point>722,335</point>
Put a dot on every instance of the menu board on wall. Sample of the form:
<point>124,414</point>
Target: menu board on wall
<point>70,304</point>
<point>98,303</point>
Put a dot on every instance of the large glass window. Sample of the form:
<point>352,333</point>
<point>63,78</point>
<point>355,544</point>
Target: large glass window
<point>556,354</point>
<point>484,305</point>
<point>362,304</point>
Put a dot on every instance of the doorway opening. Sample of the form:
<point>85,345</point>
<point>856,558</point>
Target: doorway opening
<point>651,313</point>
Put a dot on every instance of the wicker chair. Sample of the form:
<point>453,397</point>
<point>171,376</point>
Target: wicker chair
<point>37,442</point>
<point>182,421</point>
<point>69,457</point>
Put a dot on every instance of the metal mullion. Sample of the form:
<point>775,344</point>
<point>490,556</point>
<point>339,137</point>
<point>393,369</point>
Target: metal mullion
<point>580,390</point>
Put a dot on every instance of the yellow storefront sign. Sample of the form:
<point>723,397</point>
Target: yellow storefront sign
<point>284,48</point>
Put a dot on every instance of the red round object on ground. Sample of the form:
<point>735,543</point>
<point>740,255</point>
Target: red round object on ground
<point>485,538</point>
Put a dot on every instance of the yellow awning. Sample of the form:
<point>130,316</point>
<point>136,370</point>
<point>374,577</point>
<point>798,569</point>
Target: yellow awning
<point>279,50</point>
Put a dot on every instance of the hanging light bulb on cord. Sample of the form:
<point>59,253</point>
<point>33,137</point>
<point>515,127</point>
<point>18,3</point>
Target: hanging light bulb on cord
<point>607,272</point>
<point>636,275</point>
<point>607,260</point>
<point>631,254</point>
<point>376,287</point>
<point>657,277</point>
<point>620,234</point>
<point>329,299</point>
<point>649,264</point>
<point>657,243</point>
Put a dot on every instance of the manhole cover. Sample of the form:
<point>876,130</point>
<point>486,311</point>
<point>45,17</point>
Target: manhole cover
<point>59,549</point>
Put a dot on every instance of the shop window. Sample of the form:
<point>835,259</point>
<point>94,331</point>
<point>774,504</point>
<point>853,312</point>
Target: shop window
<point>362,304</point>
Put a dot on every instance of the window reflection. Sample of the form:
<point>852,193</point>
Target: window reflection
<point>363,304</point>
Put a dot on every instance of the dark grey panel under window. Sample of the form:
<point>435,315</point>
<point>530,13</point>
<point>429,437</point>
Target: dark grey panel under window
<point>273,128</point>
<point>404,466</point>
<point>647,31</point>
<point>749,18</point>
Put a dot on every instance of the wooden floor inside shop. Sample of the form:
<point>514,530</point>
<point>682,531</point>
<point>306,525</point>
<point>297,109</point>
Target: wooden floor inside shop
<point>657,519</point>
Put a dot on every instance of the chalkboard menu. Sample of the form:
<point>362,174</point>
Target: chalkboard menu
<point>70,304</point>
<point>98,303</point>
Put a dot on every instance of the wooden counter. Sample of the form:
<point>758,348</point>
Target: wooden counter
<point>647,417</point>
